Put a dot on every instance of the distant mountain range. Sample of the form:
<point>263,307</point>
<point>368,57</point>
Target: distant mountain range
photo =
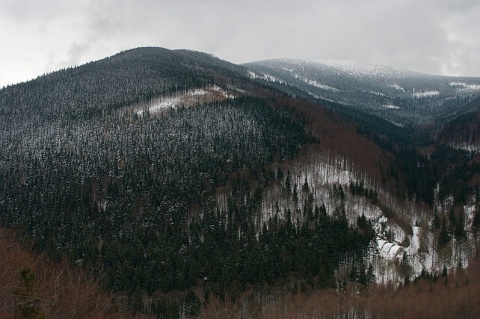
<point>402,97</point>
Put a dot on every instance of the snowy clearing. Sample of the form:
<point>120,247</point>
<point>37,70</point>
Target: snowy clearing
<point>391,106</point>
<point>266,77</point>
<point>316,84</point>
<point>468,147</point>
<point>461,86</point>
<point>186,99</point>
<point>376,93</point>
<point>422,94</point>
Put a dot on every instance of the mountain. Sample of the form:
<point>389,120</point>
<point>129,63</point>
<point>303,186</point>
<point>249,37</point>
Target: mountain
<point>402,97</point>
<point>178,179</point>
<point>130,77</point>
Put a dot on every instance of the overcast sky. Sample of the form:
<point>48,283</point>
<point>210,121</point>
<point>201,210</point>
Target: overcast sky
<point>431,36</point>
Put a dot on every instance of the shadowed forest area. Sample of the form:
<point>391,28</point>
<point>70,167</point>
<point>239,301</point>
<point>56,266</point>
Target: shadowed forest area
<point>60,290</point>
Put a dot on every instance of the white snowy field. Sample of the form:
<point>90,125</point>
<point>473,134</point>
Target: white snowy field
<point>182,99</point>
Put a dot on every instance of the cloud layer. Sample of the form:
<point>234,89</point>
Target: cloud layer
<point>431,36</point>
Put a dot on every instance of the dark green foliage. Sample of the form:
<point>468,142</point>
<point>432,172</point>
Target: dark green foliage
<point>305,187</point>
<point>83,177</point>
<point>101,87</point>
<point>460,231</point>
<point>359,189</point>
<point>476,220</point>
<point>417,173</point>
<point>455,171</point>
<point>417,176</point>
<point>444,237</point>
<point>132,197</point>
<point>425,275</point>
<point>365,226</point>
<point>288,181</point>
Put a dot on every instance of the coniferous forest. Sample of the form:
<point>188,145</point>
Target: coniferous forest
<point>166,208</point>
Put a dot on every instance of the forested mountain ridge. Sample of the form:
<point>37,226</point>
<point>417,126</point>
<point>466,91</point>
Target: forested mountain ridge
<point>403,97</point>
<point>103,86</point>
<point>176,177</point>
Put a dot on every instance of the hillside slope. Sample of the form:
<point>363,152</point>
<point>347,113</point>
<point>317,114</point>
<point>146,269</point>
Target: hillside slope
<point>173,176</point>
<point>56,290</point>
<point>402,97</point>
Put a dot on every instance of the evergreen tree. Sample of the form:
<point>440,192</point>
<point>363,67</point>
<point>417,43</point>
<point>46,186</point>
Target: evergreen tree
<point>295,193</point>
<point>435,221</point>
<point>371,274</point>
<point>444,236</point>
<point>305,187</point>
<point>460,232</point>
<point>288,181</point>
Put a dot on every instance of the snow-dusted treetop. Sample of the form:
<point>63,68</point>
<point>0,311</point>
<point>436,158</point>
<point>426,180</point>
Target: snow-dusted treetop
<point>353,68</point>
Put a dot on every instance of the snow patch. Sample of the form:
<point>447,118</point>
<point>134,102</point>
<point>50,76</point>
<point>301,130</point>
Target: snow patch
<point>168,103</point>
<point>397,87</point>
<point>316,84</point>
<point>462,86</point>
<point>252,75</point>
<point>322,86</point>
<point>422,94</point>
<point>376,93</point>
<point>391,106</point>
<point>264,76</point>
<point>468,147</point>
<point>326,99</point>
<point>389,250</point>
<point>188,98</point>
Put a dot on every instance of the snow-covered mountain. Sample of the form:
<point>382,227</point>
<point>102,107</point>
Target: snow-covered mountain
<point>173,171</point>
<point>400,96</point>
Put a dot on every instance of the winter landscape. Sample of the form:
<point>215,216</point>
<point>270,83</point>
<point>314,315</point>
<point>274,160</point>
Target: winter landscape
<point>280,177</point>
<point>184,185</point>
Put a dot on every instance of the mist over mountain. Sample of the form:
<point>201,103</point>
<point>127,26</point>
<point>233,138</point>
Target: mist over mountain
<point>178,179</point>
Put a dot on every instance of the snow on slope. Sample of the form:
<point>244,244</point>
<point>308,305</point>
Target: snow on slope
<point>395,253</point>
<point>359,69</point>
<point>315,83</point>
<point>421,94</point>
<point>397,87</point>
<point>461,86</point>
<point>468,147</point>
<point>391,107</point>
<point>352,68</point>
<point>264,76</point>
<point>187,99</point>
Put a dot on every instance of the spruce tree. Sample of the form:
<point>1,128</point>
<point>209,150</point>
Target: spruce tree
<point>444,236</point>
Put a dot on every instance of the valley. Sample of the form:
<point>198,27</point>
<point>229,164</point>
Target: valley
<point>185,184</point>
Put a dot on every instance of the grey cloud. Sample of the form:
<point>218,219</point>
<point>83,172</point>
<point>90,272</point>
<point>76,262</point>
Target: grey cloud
<point>433,36</point>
